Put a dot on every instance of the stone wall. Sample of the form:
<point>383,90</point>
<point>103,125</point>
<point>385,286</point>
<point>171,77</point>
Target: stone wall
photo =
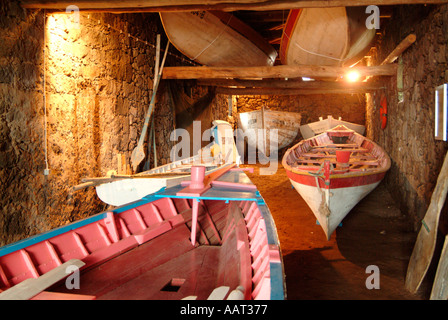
<point>98,84</point>
<point>409,135</point>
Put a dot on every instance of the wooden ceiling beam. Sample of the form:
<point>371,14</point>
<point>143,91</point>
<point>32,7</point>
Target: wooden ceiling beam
<point>289,84</point>
<point>191,5</point>
<point>279,91</point>
<point>276,72</point>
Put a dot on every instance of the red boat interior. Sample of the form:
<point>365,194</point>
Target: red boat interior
<point>346,150</point>
<point>146,253</point>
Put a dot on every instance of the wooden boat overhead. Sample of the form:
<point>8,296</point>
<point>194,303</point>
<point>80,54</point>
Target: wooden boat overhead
<point>361,38</point>
<point>215,38</point>
<point>312,129</point>
<point>333,171</point>
<point>315,36</point>
<point>325,36</point>
<point>257,126</point>
<point>212,241</point>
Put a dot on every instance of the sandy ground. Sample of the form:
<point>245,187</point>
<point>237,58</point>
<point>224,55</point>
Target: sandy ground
<point>374,233</point>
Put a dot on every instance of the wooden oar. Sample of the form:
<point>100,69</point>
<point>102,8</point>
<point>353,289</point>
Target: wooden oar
<point>139,153</point>
<point>426,240</point>
<point>440,287</point>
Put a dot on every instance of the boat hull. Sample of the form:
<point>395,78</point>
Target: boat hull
<point>215,38</point>
<point>325,36</point>
<point>127,190</point>
<point>215,244</point>
<point>257,126</point>
<point>333,171</point>
<point>341,199</point>
<point>315,36</point>
<point>121,192</point>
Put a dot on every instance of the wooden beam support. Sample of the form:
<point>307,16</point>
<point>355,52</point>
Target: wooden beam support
<point>278,92</point>
<point>192,5</point>
<point>402,46</point>
<point>276,72</point>
<point>288,84</point>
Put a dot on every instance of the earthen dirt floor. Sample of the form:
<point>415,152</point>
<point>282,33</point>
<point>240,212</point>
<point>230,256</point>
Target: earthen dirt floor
<point>374,233</point>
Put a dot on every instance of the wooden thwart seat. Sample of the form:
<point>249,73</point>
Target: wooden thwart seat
<point>30,287</point>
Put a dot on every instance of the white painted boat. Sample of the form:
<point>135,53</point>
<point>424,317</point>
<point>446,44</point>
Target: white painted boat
<point>333,171</point>
<point>215,38</point>
<point>257,127</point>
<point>325,36</point>
<point>312,129</point>
<point>127,189</point>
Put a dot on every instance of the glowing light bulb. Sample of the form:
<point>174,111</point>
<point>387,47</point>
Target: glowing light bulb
<point>353,76</point>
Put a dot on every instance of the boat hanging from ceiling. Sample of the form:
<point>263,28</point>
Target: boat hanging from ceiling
<point>215,38</point>
<point>325,36</point>
<point>333,171</point>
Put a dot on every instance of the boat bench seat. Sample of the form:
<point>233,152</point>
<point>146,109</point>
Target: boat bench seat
<point>130,242</point>
<point>152,232</point>
<point>110,251</point>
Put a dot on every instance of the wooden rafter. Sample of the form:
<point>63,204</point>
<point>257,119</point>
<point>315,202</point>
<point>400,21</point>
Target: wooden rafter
<point>225,5</point>
<point>287,87</point>
<point>284,92</point>
<point>287,84</point>
<point>276,72</point>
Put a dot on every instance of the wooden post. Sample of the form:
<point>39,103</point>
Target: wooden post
<point>121,163</point>
<point>406,43</point>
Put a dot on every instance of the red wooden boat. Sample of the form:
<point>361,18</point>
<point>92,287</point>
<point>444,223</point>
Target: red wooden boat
<point>212,237</point>
<point>325,36</point>
<point>333,171</point>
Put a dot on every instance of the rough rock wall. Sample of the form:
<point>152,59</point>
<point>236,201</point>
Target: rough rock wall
<point>98,83</point>
<point>98,77</point>
<point>409,135</point>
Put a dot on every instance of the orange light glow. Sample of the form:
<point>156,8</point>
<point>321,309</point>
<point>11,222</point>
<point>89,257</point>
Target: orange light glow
<point>353,76</point>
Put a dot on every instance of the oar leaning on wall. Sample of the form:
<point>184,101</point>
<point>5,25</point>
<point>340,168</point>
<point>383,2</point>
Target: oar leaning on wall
<point>426,240</point>
<point>138,154</point>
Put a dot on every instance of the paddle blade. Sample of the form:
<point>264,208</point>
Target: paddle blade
<point>137,157</point>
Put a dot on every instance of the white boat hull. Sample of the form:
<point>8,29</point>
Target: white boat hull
<point>216,38</point>
<point>121,192</point>
<point>333,171</point>
<point>312,129</point>
<point>130,189</point>
<point>341,202</point>
<point>257,126</point>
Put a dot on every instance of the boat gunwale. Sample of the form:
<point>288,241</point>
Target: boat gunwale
<point>350,174</point>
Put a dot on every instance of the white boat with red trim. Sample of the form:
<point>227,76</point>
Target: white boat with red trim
<point>333,171</point>
<point>314,128</point>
